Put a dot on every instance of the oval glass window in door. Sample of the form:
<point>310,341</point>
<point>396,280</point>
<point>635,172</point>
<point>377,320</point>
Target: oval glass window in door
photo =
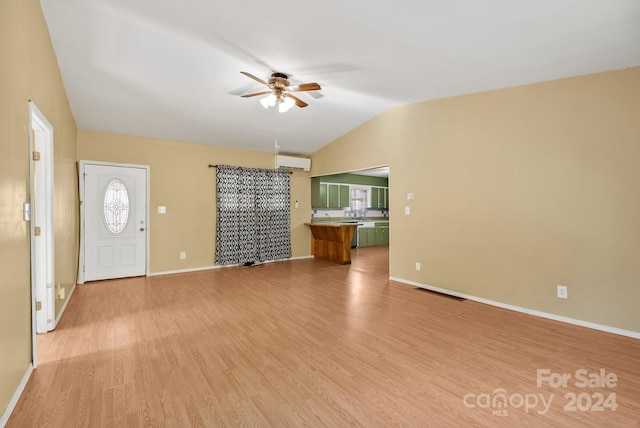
<point>116,206</point>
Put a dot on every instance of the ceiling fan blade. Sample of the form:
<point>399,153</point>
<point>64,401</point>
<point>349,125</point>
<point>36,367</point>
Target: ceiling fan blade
<point>255,94</point>
<point>257,79</point>
<point>305,87</point>
<point>298,101</point>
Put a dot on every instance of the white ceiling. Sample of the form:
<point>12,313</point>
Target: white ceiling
<point>171,69</point>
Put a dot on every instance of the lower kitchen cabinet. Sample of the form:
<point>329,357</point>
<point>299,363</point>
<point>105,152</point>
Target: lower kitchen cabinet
<point>365,236</point>
<point>383,235</point>
<point>373,236</point>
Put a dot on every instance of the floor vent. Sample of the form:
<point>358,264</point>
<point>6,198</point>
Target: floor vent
<point>437,293</point>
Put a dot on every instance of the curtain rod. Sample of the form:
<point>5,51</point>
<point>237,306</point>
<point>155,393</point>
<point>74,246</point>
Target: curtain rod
<point>215,166</point>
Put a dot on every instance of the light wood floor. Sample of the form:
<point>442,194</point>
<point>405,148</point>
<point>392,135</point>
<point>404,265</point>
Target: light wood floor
<point>310,343</point>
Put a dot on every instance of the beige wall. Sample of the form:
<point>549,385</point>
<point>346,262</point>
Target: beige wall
<point>29,71</point>
<point>182,181</point>
<point>516,191</point>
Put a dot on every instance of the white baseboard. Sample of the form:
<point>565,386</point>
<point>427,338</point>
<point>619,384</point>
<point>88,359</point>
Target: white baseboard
<point>301,257</point>
<point>198,269</point>
<point>16,396</point>
<point>601,327</point>
<point>64,306</point>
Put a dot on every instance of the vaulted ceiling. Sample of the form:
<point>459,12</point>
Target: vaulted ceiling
<point>171,69</point>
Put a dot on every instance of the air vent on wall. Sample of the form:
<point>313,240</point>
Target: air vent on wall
<point>291,162</point>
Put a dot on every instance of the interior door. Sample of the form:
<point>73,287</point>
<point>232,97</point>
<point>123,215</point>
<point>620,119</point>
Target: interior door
<point>41,215</point>
<point>115,229</point>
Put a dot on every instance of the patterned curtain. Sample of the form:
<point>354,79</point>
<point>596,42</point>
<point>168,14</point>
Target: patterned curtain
<point>253,221</point>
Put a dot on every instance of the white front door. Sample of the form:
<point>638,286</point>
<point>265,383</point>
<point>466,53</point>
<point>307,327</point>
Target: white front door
<point>115,221</point>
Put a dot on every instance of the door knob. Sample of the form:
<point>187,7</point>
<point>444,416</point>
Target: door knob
<point>142,229</point>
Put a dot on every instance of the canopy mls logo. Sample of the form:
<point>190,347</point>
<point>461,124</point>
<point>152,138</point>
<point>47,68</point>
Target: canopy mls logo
<point>499,401</point>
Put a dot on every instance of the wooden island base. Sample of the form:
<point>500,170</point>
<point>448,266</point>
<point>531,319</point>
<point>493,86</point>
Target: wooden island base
<point>332,241</point>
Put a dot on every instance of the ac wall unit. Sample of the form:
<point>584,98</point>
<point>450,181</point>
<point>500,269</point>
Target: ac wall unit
<point>290,162</point>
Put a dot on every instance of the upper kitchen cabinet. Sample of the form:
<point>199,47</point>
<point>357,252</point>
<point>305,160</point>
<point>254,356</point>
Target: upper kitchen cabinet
<point>329,195</point>
<point>379,197</point>
<point>338,195</point>
<point>332,191</point>
<point>316,196</point>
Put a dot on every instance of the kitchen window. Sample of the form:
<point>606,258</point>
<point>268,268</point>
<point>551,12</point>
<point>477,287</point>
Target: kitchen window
<point>359,199</point>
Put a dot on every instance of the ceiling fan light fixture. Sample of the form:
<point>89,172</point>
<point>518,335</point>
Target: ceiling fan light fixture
<point>268,101</point>
<point>280,91</point>
<point>285,104</point>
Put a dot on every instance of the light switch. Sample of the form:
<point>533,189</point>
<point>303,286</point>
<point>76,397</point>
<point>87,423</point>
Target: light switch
<point>26,211</point>
<point>407,210</point>
<point>162,210</point>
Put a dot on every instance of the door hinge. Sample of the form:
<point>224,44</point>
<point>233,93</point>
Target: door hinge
<point>36,156</point>
<point>83,268</point>
<point>37,231</point>
<point>38,306</point>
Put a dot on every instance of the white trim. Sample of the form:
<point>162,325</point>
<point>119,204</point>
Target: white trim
<point>81,166</point>
<point>64,306</point>
<point>199,269</point>
<point>16,396</point>
<point>80,279</point>
<point>171,272</point>
<point>594,326</point>
<point>301,257</point>
<point>37,119</point>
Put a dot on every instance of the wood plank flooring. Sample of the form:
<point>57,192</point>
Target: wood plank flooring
<point>311,343</point>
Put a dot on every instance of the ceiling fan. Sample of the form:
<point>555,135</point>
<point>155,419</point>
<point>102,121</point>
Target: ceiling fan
<point>280,91</point>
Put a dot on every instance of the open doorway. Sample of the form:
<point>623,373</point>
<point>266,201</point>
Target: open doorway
<point>360,196</point>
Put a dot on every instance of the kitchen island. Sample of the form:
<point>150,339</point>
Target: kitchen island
<point>332,241</point>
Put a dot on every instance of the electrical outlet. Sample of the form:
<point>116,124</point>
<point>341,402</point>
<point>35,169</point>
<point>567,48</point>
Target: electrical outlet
<point>562,292</point>
<point>61,292</point>
<point>418,266</point>
<point>162,210</point>
<point>183,255</point>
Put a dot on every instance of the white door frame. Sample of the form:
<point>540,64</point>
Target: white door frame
<point>81,172</point>
<point>41,204</point>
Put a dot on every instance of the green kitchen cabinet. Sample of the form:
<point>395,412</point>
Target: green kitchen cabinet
<point>338,195</point>
<point>329,195</point>
<point>334,195</point>
<point>366,236</point>
<point>379,197</point>
<point>323,201</point>
<point>344,195</point>
<point>382,238</point>
<point>373,236</point>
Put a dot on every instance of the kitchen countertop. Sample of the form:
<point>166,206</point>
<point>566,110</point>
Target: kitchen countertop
<point>332,224</point>
<point>320,220</point>
<point>360,223</point>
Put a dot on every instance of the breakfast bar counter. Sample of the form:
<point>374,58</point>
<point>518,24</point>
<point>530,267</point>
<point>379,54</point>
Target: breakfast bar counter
<point>332,241</point>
